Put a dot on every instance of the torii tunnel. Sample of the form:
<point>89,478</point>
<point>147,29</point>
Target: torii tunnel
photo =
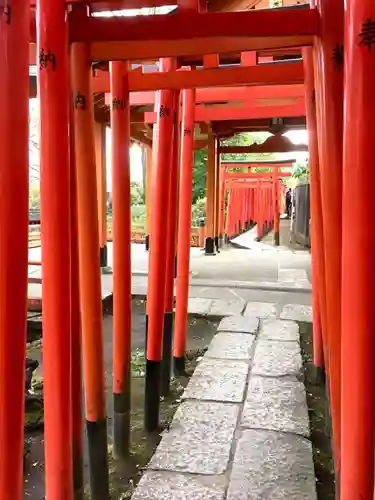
<point>224,66</point>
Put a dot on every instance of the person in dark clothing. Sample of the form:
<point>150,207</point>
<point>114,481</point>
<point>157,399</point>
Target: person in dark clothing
<point>288,202</point>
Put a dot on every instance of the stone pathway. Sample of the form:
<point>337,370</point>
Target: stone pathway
<point>241,432</point>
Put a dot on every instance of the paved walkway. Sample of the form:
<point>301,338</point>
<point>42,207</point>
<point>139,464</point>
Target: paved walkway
<point>227,275</point>
<point>241,432</point>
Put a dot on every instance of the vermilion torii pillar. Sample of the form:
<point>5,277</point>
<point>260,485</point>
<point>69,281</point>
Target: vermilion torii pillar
<point>89,269</point>
<point>276,206</point>
<point>210,197</point>
<point>171,236</point>
<point>101,175</point>
<point>14,175</point>
<point>157,262</point>
<point>75,329</point>
<point>184,225</point>
<point>358,299</point>
<point>317,245</point>
<point>120,127</point>
<point>54,194</point>
<point>329,51</point>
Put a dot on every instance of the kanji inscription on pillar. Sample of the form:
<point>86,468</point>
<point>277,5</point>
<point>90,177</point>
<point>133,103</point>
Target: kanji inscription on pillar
<point>118,104</point>
<point>6,11</point>
<point>367,35</point>
<point>338,56</point>
<point>164,111</point>
<point>47,58</point>
<point>79,101</point>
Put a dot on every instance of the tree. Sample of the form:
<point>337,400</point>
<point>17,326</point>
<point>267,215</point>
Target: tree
<point>199,174</point>
<point>137,194</point>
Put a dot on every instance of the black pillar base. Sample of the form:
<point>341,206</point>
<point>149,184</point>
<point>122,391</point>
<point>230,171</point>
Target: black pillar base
<point>147,242</point>
<point>216,240</point>
<point>167,354</point>
<point>152,395</point>
<point>146,334</point>
<point>209,246</point>
<point>98,459</point>
<point>277,238</point>
<point>78,484</point>
<point>121,421</point>
<point>179,366</point>
<point>103,256</point>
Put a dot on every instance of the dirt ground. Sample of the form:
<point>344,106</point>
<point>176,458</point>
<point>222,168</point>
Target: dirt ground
<point>123,479</point>
<point>320,424</point>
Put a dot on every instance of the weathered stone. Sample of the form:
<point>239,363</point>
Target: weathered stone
<point>292,275</point>
<point>199,306</point>
<point>221,307</point>
<point>199,439</point>
<point>297,312</point>
<point>275,359</point>
<point>272,466</point>
<point>276,404</point>
<point>261,309</point>
<point>161,485</point>
<point>231,345</point>
<point>248,324</point>
<point>276,329</point>
<point>218,380</point>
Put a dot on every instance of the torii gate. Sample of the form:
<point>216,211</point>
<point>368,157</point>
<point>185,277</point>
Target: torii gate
<point>250,205</point>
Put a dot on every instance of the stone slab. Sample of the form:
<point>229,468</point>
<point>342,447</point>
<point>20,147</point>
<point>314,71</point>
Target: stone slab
<point>261,309</point>
<point>292,275</point>
<point>297,312</point>
<point>221,307</point>
<point>276,404</point>
<point>218,380</point>
<point>248,324</point>
<point>272,466</point>
<point>231,345</point>
<point>199,306</point>
<point>277,329</point>
<point>161,485</point>
<point>199,439</point>
<point>276,359</point>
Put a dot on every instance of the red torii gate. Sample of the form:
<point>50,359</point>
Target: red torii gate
<point>257,201</point>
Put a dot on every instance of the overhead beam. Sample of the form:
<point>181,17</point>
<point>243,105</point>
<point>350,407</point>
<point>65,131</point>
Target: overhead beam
<point>234,176</point>
<point>268,74</point>
<point>285,73</point>
<point>227,94</point>
<point>146,51</point>
<point>251,149</point>
<point>112,5</point>
<point>187,26</point>
<point>207,114</point>
<point>255,164</point>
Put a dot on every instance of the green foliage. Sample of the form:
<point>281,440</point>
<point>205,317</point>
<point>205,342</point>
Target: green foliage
<point>302,172</point>
<point>34,196</point>
<point>137,194</point>
<point>198,211</point>
<point>138,215</point>
<point>245,139</point>
<point>199,174</point>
